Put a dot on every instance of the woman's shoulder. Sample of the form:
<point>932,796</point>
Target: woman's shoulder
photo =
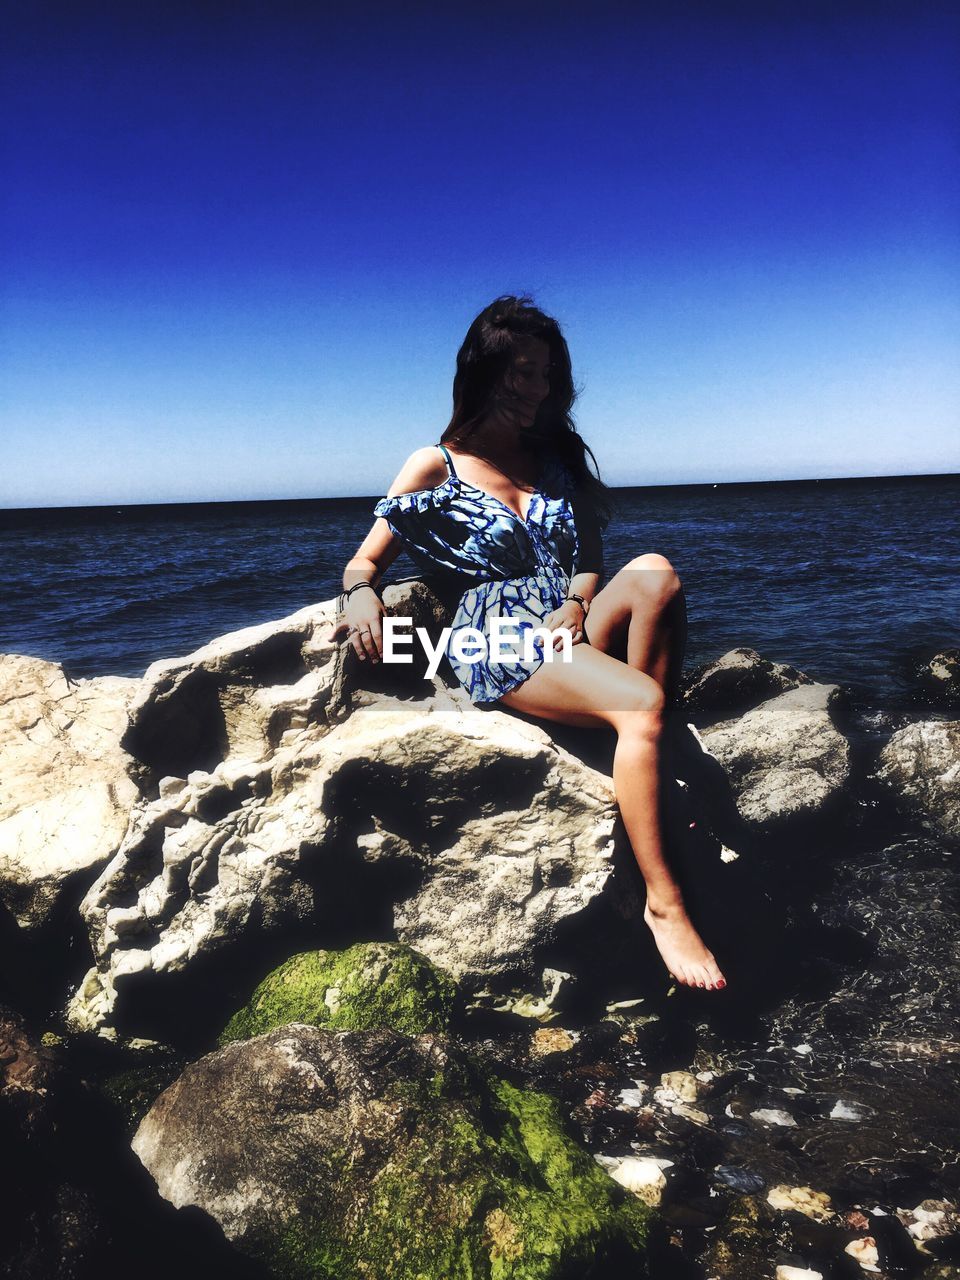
<point>423,469</point>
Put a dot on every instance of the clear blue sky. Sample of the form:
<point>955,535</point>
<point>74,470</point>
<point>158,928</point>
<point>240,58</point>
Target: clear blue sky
<point>241,244</point>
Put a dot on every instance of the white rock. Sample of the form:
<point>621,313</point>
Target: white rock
<point>771,1115</point>
<point>631,1098</point>
<point>846,1111</point>
<point>865,1252</point>
<point>797,1273</point>
<point>920,768</point>
<point>441,794</point>
<point>785,759</point>
<point>642,1177</point>
<point>65,789</point>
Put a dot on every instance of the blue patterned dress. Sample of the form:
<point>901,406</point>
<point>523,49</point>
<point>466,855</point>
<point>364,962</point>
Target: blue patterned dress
<point>503,566</point>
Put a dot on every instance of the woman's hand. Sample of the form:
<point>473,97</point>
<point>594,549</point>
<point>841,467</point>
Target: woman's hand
<point>360,625</point>
<point>569,615</point>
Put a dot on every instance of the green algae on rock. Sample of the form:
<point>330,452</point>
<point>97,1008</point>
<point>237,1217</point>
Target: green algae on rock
<point>371,984</point>
<point>376,1156</point>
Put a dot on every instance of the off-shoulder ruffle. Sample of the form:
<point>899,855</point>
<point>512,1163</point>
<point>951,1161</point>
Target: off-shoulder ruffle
<point>420,500</point>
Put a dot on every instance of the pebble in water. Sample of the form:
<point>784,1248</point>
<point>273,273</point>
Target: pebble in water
<point>745,1181</point>
<point>865,1252</point>
<point>682,1084</point>
<point>642,1176</point>
<point>771,1115</point>
<point>848,1110</point>
<point>931,1219</point>
<point>813,1204</point>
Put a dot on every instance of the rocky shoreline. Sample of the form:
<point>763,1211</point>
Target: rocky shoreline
<point>267,805</point>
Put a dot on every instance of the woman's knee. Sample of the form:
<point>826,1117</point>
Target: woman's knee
<point>653,580</point>
<point>640,711</point>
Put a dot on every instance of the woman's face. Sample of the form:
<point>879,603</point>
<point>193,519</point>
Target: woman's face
<point>526,384</point>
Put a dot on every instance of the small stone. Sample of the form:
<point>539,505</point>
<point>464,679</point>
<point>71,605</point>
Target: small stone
<point>681,1083</point>
<point>930,1219</point>
<point>771,1115</point>
<point>642,1177</point>
<point>745,1181</point>
<point>797,1273</point>
<point>856,1220</point>
<point>630,1098</point>
<point>865,1252</point>
<point>847,1111</point>
<point>550,1040</point>
<point>812,1204</point>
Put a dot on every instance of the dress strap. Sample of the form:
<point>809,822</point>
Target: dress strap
<point>449,461</point>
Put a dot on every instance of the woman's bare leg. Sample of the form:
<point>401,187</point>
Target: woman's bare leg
<point>641,616</point>
<point>593,690</point>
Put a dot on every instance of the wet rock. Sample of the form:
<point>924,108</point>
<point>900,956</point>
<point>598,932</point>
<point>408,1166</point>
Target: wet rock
<point>541,1001</point>
<point>372,984</point>
<point>679,1085</point>
<point>547,1040</point>
<point>786,760</point>
<point>920,769</point>
<point>774,1116</point>
<point>797,1273</point>
<point>373,1153</point>
<point>67,790</point>
<point>931,1219</point>
<point>939,678</point>
<point>743,1243</point>
<point>642,1176</point>
<point>864,1251</point>
<point>813,1204</point>
<point>737,682</point>
<point>745,1181</point>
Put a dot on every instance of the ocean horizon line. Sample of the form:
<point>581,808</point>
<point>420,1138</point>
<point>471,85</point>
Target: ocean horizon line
<point>195,504</point>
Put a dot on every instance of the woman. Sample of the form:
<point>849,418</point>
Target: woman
<point>501,513</point>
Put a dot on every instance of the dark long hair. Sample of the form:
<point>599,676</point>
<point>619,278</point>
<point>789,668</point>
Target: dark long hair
<point>483,359</point>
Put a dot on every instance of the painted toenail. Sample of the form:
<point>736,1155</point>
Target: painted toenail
<point>721,983</point>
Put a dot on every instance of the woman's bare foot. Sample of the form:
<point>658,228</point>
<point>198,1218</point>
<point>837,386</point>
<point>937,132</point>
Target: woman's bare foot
<point>682,949</point>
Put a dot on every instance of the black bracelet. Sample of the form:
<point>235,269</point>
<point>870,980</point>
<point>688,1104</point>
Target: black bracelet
<point>345,595</point>
<point>581,602</point>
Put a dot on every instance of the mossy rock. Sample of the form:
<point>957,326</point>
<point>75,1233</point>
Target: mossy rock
<point>373,1156</point>
<point>370,985</point>
<point>523,1202</point>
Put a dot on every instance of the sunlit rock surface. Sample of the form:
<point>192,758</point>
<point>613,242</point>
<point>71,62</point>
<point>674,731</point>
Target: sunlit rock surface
<point>736,682</point>
<point>65,789</point>
<point>322,804</point>
<point>920,769</point>
<point>786,759</point>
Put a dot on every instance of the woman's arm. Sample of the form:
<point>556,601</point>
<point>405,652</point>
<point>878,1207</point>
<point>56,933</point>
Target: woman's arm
<point>586,581</point>
<point>363,610</point>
